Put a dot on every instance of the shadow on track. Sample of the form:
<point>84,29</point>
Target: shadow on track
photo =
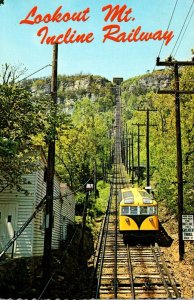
<point>161,238</point>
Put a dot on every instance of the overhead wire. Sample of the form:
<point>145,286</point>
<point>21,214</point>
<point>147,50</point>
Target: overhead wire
<point>39,207</point>
<point>49,65</point>
<point>173,11</point>
<point>72,238</point>
<point>182,27</point>
<point>168,26</point>
<point>73,192</point>
<point>60,262</point>
<point>184,32</point>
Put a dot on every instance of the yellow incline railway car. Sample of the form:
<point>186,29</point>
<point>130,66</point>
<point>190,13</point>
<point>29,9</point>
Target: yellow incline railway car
<point>138,212</point>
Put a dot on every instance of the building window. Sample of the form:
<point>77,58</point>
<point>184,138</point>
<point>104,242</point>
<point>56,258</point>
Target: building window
<point>9,219</point>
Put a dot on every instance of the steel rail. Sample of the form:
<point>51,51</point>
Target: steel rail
<point>131,273</point>
<point>143,260</point>
<point>126,271</point>
<point>162,275</point>
<point>103,246</point>
<point>171,279</point>
<point>112,287</point>
<point>115,246</point>
<point>117,162</point>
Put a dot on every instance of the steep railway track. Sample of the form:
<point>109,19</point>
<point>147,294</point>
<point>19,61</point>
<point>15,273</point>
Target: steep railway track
<point>129,272</point>
<point>123,271</point>
<point>150,277</point>
<point>141,271</point>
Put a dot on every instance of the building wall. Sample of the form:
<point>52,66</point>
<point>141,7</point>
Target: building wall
<point>57,208</point>
<point>38,222</point>
<point>21,207</point>
<point>58,211</point>
<point>68,210</point>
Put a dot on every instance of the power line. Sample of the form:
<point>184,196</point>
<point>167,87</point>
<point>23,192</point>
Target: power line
<point>184,32</point>
<point>166,29</point>
<point>73,192</point>
<point>37,209</point>
<point>34,72</point>
<point>176,91</point>
<point>168,26</point>
<point>182,28</point>
<point>61,260</point>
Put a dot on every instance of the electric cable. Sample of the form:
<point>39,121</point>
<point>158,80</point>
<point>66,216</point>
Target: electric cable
<point>182,28</point>
<point>184,33</point>
<point>60,262</point>
<point>49,65</point>
<point>39,207</point>
<point>167,29</point>
<point>62,258</point>
<point>168,26</point>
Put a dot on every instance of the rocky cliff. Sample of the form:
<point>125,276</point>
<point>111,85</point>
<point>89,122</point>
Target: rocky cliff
<point>151,81</point>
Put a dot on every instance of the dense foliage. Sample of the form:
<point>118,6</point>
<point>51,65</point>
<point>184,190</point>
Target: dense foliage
<point>163,135</point>
<point>83,128</point>
<point>20,120</point>
<point>84,146</point>
<point>83,123</point>
<point>28,117</point>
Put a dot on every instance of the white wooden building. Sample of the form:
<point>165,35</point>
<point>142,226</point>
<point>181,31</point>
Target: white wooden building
<point>16,208</point>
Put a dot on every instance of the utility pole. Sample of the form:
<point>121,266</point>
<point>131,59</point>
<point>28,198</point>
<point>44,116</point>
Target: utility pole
<point>95,178</point>
<point>138,153</point>
<point>177,92</point>
<point>132,159</point>
<point>129,155</point>
<point>148,146</point>
<point>138,149</point>
<point>123,147</point>
<point>89,188</point>
<point>50,174</point>
<point>126,148</point>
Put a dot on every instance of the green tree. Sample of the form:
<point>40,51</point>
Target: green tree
<point>163,136</point>
<point>11,74</point>
<point>20,120</point>
<point>84,145</point>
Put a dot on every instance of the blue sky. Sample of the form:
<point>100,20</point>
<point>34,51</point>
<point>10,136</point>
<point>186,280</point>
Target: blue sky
<point>20,43</point>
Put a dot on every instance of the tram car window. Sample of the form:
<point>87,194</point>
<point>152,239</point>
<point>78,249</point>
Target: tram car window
<point>143,210</point>
<point>138,213</point>
<point>148,210</point>
<point>125,211</point>
<point>133,210</point>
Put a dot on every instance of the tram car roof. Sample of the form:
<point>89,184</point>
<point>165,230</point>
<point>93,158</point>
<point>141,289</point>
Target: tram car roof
<point>136,196</point>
